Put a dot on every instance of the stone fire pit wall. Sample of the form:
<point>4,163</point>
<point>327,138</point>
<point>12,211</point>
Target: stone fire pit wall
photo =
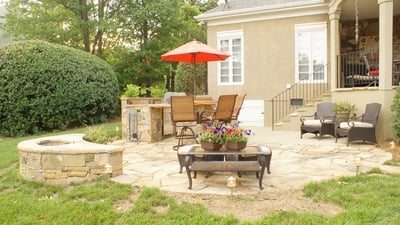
<point>68,158</point>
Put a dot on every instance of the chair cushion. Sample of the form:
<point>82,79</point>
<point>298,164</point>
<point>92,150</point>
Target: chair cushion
<point>347,125</point>
<point>312,122</point>
<point>185,149</point>
<point>373,73</point>
<point>265,150</point>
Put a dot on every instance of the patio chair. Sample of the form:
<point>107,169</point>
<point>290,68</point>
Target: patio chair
<point>222,114</point>
<point>370,78</point>
<point>184,117</point>
<point>205,98</point>
<point>362,129</point>
<point>322,123</point>
<point>238,106</point>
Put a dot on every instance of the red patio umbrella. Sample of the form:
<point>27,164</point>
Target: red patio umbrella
<point>194,52</point>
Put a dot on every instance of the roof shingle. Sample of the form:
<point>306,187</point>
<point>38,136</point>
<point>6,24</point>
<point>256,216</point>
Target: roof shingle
<point>233,5</point>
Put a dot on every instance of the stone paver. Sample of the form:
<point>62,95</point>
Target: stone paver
<point>295,162</point>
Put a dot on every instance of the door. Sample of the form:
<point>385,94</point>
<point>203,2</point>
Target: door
<point>252,113</point>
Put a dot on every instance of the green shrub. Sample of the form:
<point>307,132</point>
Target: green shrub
<point>47,87</point>
<point>157,92</point>
<point>395,107</point>
<point>101,135</point>
<point>131,90</point>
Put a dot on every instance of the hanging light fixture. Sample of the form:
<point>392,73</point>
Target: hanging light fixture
<point>356,18</point>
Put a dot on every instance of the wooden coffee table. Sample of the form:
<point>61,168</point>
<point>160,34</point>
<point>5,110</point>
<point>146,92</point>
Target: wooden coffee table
<point>250,159</point>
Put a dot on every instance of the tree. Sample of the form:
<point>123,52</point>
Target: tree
<point>88,25</point>
<point>129,34</point>
<point>157,26</point>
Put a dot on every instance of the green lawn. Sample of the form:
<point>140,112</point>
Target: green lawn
<point>371,198</point>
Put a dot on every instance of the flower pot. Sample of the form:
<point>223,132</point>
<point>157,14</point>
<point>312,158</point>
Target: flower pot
<point>343,116</point>
<point>210,146</point>
<point>396,154</point>
<point>236,145</point>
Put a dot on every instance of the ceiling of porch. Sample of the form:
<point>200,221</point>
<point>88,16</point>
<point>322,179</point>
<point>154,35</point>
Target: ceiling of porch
<point>366,8</point>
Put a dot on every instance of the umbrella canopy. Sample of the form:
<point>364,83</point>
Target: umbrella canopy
<point>194,52</point>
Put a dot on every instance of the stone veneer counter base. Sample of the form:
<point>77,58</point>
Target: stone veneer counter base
<point>68,158</point>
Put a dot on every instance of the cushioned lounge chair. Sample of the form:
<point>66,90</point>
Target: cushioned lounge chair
<point>362,129</point>
<point>371,78</point>
<point>322,122</point>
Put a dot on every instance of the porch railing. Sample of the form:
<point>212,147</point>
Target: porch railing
<point>298,94</point>
<point>361,68</point>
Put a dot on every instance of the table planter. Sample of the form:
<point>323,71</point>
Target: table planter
<point>236,145</point>
<point>210,146</point>
<point>343,116</point>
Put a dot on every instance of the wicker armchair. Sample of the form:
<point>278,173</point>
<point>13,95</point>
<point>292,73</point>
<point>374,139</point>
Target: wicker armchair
<point>322,122</point>
<point>362,129</point>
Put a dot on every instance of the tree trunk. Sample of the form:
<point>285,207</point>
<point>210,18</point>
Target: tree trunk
<point>85,28</point>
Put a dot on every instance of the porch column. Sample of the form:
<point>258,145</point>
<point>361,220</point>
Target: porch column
<point>385,44</point>
<point>334,40</point>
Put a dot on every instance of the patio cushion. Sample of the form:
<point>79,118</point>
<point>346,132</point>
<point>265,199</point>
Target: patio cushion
<point>315,122</point>
<point>312,122</point>
<point>373,73</point>
<point>265,150</point>
<point>185,149</point>
<point>347,125</point>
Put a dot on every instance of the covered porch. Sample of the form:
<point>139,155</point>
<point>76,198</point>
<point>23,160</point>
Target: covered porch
<point>367,28</point>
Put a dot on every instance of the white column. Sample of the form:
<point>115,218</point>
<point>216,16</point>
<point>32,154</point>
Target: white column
<point>385,44</point>
<point>334,47</point>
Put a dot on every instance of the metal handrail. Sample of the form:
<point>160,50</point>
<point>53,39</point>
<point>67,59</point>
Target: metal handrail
<point>297,95</point>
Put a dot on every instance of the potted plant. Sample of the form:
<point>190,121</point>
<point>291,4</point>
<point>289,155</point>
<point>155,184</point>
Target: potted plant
<point>212,138</point>
<point>236,138</point>
<point>343,110</point>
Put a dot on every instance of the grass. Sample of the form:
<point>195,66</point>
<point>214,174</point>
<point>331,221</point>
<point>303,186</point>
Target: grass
<point>392,163</point>
<point>369,198</point>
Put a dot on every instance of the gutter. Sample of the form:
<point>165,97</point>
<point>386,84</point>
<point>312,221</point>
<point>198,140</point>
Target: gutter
<point>263,13</point>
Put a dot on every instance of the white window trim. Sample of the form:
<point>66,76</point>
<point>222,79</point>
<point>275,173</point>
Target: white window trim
<point>309,27</point>
<point>230,34</point>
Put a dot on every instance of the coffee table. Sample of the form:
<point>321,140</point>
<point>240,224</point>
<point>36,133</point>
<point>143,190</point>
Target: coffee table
<point>251,159</point>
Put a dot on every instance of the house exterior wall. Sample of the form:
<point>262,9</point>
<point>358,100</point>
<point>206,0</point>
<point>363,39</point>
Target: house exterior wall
<point>269,46</point>
<point>268,58</point>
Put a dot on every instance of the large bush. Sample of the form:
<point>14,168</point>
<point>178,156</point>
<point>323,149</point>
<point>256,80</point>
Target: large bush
<point>395,107</point>
<point>46,87</point>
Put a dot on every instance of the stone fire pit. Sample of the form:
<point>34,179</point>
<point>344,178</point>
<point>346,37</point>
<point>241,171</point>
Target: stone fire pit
<point>68,158</point>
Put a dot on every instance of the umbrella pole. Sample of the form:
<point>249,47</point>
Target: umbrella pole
<point>194,79</point>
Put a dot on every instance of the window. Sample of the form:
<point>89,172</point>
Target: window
<point>230,71</point>
<point>311,52</point>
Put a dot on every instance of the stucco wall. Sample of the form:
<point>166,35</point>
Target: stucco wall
<point>268,58</point>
